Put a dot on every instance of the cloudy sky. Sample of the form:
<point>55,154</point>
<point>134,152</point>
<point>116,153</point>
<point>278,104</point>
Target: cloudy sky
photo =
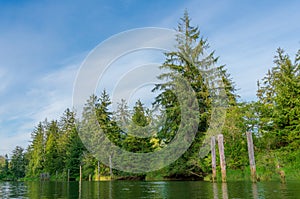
<point>43,43</point>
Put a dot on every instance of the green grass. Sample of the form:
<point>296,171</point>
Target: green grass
<point>292,173</point>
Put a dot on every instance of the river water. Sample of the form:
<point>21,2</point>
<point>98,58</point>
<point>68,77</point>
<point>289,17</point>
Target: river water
<point>146,189</point>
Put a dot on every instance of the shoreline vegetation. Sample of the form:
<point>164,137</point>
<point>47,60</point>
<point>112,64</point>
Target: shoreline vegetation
<point>292,174</point>
<point>56,148</point>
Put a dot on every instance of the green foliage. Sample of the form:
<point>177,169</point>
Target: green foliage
<point>235,139</point>
<point>55,148</point>
<point>89,163</point>
<point>5,172</point>
<point>36,151</point>
<point>278,109</point>
<point>190,62</point>
<point>105,119</point>
<point>18,163</point>
<point>274,119</point>
<point>137,140</point>
<point>53,160</point>
<point>279,104</point>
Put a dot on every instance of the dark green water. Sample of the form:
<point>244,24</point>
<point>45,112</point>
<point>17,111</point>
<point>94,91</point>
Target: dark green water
<point>140,189</point>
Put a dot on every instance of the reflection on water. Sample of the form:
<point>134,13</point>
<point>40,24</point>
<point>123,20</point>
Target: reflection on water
<point>254,191</point>
<point>142,189</point>
<point>224,191</point>
<point>12,189</point>
<point>215,190</point>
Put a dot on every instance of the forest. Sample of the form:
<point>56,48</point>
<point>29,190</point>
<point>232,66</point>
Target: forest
<point>56,147</point>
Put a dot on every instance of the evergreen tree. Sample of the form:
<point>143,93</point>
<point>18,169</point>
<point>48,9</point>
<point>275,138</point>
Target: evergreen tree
<point>70,144</point>
<point>67,126</point>
<point>190,62</point>
<point>36,151</point>
<point>53,160</point>
<point>74,154</point>
<point>2,165</point>
<point>138,138</point>
<point>122,115</point>
<point>18,163</point>
<point>5,172</point>
<point>89,163</point>
<point>105,119</point>
<point>279,104</point>
<point>97,129</point>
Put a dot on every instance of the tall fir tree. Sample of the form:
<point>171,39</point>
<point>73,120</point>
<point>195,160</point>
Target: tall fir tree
<point>53,160</point>
<point>191,62</point>
<point>138,138</point>
<point>36,151</point>
<point>18,163</point>
<point>279,104</point>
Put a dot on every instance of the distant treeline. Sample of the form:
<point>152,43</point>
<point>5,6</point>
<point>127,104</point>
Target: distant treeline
<point>274,119</point>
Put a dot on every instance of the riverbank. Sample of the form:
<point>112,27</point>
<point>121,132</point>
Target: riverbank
<point>291,174</point>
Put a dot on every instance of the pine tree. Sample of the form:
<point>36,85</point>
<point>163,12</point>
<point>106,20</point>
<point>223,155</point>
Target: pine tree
<point>279,103</point>
<point>67,126</point>
<point>105,119</point>
<point>74,154</point>
<point>138,138</point>
<point>53,160</point>
<point>97,128</point>
<point>122,115</point>
<point>191,62</point>
<point>5,173</point>
<point>36,151</point>
<point>69,145</point>
<point>18,163</point>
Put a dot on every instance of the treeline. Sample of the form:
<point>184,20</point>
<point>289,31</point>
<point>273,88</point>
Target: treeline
<point>56,146</point>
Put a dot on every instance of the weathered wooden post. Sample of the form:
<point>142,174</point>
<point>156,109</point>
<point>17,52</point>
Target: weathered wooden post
<point>281,173</point>
<point>213,158</point>
<point>251,156</point>
<point>80,173</point>
<point>98,176</point>
<point>110,168</point>
<point>222,157</point>
<point>68,175</point>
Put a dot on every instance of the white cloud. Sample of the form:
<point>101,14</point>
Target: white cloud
<point>10,142</point>
<point>54,92</point>
<point>247,42</point>
<point>34,85</point>
<point>48,97</point>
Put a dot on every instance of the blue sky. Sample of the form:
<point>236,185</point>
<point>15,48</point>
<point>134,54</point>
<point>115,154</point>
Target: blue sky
<point>42,44</point>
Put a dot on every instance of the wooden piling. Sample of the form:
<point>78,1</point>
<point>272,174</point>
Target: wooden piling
<point>98,176</point>
<point>213,158</point>
<point>68,175</point>
<point>251,156</point>
<point>110,167</point>
<point>281,174</point>
<point>222,157</point>
<point>80,173</point>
